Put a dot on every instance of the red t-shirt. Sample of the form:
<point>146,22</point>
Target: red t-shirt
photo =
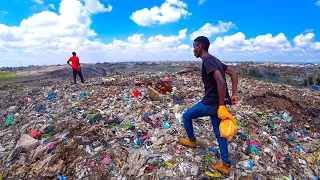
<point>75,63</point>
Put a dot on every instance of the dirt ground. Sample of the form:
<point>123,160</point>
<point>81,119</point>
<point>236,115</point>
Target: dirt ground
<point>273,101</point>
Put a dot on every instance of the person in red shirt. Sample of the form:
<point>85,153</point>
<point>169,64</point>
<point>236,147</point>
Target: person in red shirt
<point>75,67</point>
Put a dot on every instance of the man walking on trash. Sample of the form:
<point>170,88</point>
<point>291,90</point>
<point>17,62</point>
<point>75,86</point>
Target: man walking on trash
<point>214,101</point>
<point>75,67</point>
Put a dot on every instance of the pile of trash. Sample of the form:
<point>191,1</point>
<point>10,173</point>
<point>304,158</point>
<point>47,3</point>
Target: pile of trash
<point>126,126</point>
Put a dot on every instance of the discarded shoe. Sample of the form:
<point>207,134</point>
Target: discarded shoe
<point>187,142</point>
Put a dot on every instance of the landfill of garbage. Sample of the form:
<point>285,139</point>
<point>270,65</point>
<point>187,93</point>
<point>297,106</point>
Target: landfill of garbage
<point>127,125</point>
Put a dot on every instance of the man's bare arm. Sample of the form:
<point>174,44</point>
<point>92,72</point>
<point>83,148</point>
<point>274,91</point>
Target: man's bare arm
<point>234,80</point>
<point>69,62</point>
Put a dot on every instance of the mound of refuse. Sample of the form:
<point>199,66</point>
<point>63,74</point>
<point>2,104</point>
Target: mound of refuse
<point>126,126</point>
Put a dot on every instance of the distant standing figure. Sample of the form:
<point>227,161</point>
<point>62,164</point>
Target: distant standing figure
<point>75,67</point>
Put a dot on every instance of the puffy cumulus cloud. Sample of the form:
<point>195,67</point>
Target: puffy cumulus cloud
<point>58,34</point>
<point>170,11</point>
<point>210,29</point>
<point>44,32</point>
<point>70,28</point>
<point>153,44</point>
<point>238,43</point>
<point>303,40</point>
<point>279,45</point>
<point>305,44</point>
<point>95,6</point>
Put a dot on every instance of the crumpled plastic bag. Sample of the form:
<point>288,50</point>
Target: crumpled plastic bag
<point>228,125</point>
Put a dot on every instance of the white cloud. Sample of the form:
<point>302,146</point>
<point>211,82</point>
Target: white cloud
<point>56,34</point>
<point>69,30</point>
<point>209,29</point>
<point>238,43</point>
<point>153,44</point>
<point>170,11</point>
<point>318,3</point>
<point>201,2</point>
<point>38,1</point>
<point>305,42</point>
<point>315,46</point>
<point>266,45</point>
<point>95,6</point>
<point>48,30</point>
<point>52,6</point>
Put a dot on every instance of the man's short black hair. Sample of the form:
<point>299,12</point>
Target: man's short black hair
<point>73,53</point>
<point>204,41</point>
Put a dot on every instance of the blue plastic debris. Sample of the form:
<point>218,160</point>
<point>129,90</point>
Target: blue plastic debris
<point>61,177</point>
<point>250,165</point>
<point>74,96</point>
<point>52,95</point>
<point>166,125</point>
<point>243,136</point>
<point>50,120</point>
<point>298,148</point>
<point>138,142</point>
<point>314,87</point>
<point>203,152</point>
<point>215,150</point>
<point>313,177</point>
<point>305,133</point>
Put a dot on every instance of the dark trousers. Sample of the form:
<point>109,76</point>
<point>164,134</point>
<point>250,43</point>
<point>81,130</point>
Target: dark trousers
<point>79,73</point>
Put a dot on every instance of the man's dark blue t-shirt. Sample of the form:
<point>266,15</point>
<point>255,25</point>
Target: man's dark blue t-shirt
<point>209,65</point>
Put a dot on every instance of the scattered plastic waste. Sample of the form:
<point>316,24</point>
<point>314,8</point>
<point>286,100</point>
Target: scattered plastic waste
<point>9,121</point>
<point>116,128</point>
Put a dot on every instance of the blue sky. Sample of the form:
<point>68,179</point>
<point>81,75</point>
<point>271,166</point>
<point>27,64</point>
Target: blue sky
<point>110,30</point>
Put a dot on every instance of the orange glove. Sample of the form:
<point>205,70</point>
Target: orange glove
<point>228,125</point>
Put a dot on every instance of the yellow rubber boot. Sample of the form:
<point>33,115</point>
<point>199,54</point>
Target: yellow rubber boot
<point>187,142</point>
<point>220,167</point>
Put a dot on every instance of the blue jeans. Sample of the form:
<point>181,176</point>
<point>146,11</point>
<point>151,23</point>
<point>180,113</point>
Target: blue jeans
<point>201,110</point>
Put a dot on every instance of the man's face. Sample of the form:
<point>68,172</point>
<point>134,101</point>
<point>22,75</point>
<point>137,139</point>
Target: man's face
<point>196,49</point>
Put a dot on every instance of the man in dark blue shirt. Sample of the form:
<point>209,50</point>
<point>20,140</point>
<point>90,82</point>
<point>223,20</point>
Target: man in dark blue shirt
<point>216,96</point>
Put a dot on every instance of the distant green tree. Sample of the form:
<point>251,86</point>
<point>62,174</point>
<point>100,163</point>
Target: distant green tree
<point>271,74</point>
<point>255,73</point>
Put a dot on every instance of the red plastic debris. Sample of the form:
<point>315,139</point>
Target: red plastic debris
<point>255,143</point>
<point>278,156</point>
<point>167,79</point>
<point>150,168</point>
<point>135,93</point>
<point>35,134</point>
<point>28,100</point>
